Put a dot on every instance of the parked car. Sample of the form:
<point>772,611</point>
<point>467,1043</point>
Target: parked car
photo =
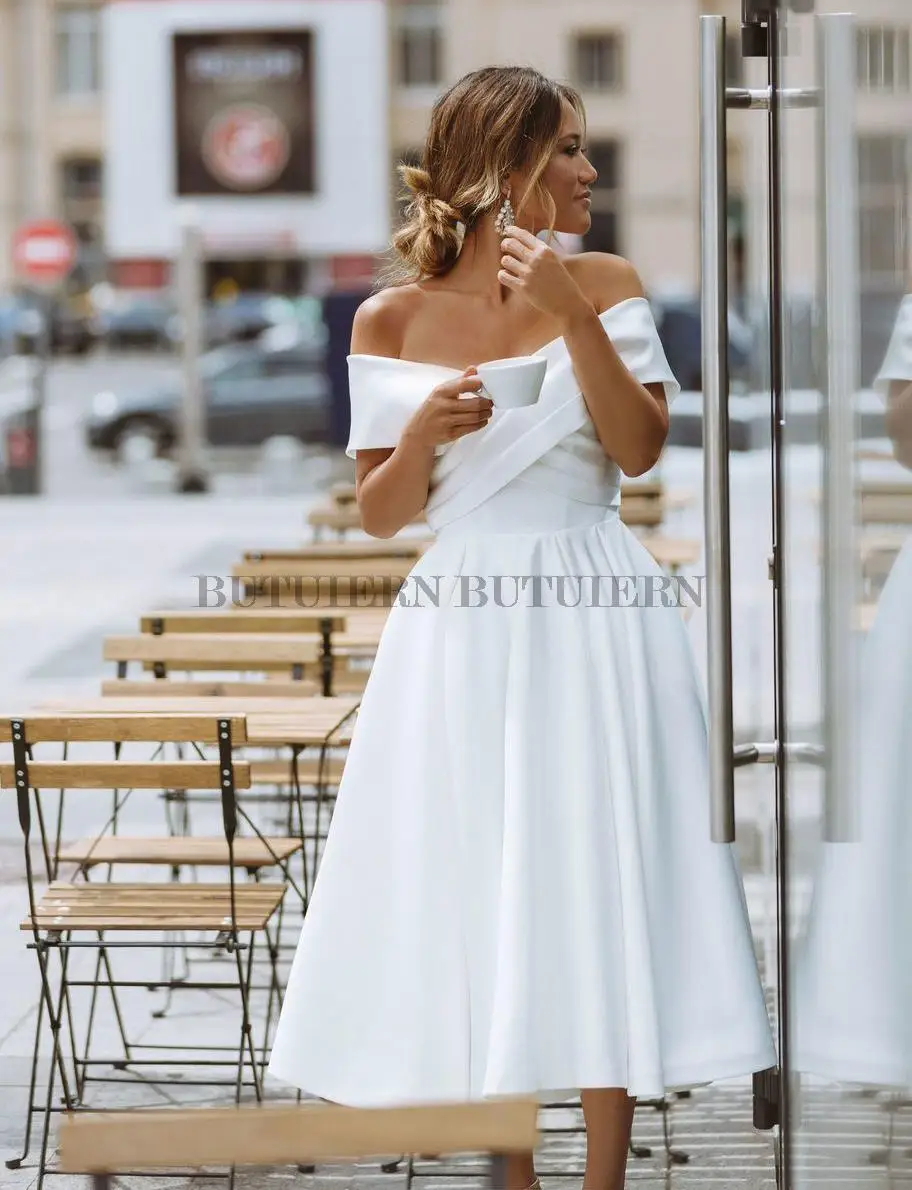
<point>23,320</point>
<point>251,392</point>
<point>239,319</point>
<point>136,319</point>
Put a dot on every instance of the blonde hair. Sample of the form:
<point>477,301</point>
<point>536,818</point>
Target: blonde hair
<point>489,123</point>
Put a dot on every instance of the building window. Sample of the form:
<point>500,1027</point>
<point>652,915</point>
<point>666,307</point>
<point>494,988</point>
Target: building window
<point>604,234</point>
<point>80,179</point>
<point>78,50</point>
<point>418,43</point>
<point>884,177</point>
<point>598,61</point>
<point>884,58</point>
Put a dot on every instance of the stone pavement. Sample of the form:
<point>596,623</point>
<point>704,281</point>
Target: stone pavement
<point>73,573</point>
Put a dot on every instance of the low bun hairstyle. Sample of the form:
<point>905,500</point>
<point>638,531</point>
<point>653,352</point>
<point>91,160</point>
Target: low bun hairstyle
<point>429,239</point>
<point>491,122</point>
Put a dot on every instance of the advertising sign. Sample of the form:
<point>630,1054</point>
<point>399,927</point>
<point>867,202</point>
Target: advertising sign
<point>243,110</point>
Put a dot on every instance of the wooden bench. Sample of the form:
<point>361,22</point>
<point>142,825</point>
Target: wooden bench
<point>198,1138</point>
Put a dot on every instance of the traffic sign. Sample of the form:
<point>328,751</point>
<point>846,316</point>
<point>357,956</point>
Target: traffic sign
<point>44,251</point>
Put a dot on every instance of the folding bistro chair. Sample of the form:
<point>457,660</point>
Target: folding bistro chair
<point>107,917</point>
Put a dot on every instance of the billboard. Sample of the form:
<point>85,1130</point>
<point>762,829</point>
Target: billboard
<point>266,121</point>
<point>244,112</point>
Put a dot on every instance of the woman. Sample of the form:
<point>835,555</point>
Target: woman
<point>518,893</point>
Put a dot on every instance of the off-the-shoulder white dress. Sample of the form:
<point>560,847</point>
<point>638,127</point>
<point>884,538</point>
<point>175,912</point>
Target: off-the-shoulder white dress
<point>518,892</point>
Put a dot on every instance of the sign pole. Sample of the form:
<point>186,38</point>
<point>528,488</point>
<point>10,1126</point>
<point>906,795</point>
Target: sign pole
<point>192,475</point>
<point>44,253</point>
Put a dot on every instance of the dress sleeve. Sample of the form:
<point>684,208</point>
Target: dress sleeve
<point>632,329</point>
<point>384,393</point>
<point>378,410</point>
<point>897,364</point>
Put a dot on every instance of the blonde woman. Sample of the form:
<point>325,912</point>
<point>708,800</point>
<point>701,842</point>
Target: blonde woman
<point>518,893</point>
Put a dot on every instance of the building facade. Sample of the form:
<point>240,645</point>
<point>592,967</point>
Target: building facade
<point>85,125</point>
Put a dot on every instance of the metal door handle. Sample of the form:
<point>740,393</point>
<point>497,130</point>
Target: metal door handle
<point>840,282</point>
<point>714,317</point>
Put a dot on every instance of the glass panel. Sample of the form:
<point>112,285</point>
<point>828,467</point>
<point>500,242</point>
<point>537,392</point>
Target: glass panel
<point>846,500</point>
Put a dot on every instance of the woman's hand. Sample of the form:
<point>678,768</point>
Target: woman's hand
<point>534,269</point>
<point>446,415</point>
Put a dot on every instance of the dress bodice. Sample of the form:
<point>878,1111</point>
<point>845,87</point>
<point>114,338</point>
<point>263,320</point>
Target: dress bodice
<point>552,444</point>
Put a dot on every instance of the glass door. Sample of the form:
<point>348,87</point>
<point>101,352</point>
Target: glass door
<point>846,589</point>
<point>828,109</point>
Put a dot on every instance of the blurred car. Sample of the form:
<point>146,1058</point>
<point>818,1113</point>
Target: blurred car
<point>679,323</point>
<point>252,392</point>
<point>239,319</point>
<point>24,322</point>
<point>136,319</point>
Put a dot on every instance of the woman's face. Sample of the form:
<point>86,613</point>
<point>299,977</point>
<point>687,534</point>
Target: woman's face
<point>567,177</point>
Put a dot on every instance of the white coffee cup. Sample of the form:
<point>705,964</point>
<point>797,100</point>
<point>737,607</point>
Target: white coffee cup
<point>512,383</point>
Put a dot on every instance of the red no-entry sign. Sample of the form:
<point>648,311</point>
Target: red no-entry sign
<point>44,252</point>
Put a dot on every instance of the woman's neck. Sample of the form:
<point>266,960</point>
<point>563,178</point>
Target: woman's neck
<point>475,271</point>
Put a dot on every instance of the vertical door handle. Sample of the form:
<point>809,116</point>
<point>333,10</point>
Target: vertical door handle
<point>714,318</point>
<point>839,264</point>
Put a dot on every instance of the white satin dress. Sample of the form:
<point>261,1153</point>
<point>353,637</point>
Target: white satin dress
<point>854,969</point>
<point>518,893</point>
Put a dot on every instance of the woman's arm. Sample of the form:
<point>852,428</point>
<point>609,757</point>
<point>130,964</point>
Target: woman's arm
<point>392,485</point>
<point>630,418</point>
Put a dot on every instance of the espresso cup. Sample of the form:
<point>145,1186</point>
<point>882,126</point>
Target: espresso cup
<point>513,383</point>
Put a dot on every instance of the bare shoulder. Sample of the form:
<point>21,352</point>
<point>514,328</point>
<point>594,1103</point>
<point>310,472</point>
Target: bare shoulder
<point>379,324</point>
<point>604,278</point>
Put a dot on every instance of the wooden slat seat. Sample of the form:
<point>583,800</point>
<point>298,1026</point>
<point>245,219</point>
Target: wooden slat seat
<point>296,569</point>
<point>197,650</point>
<point>411,546</point>
<point>240,619</point>
<point>278,771</point>
<point>97,720</point>
<point>125,774</point>
<point>167,907</point>
<point>249,852</point>
<point>364,621</point>
<point>171,687</point>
